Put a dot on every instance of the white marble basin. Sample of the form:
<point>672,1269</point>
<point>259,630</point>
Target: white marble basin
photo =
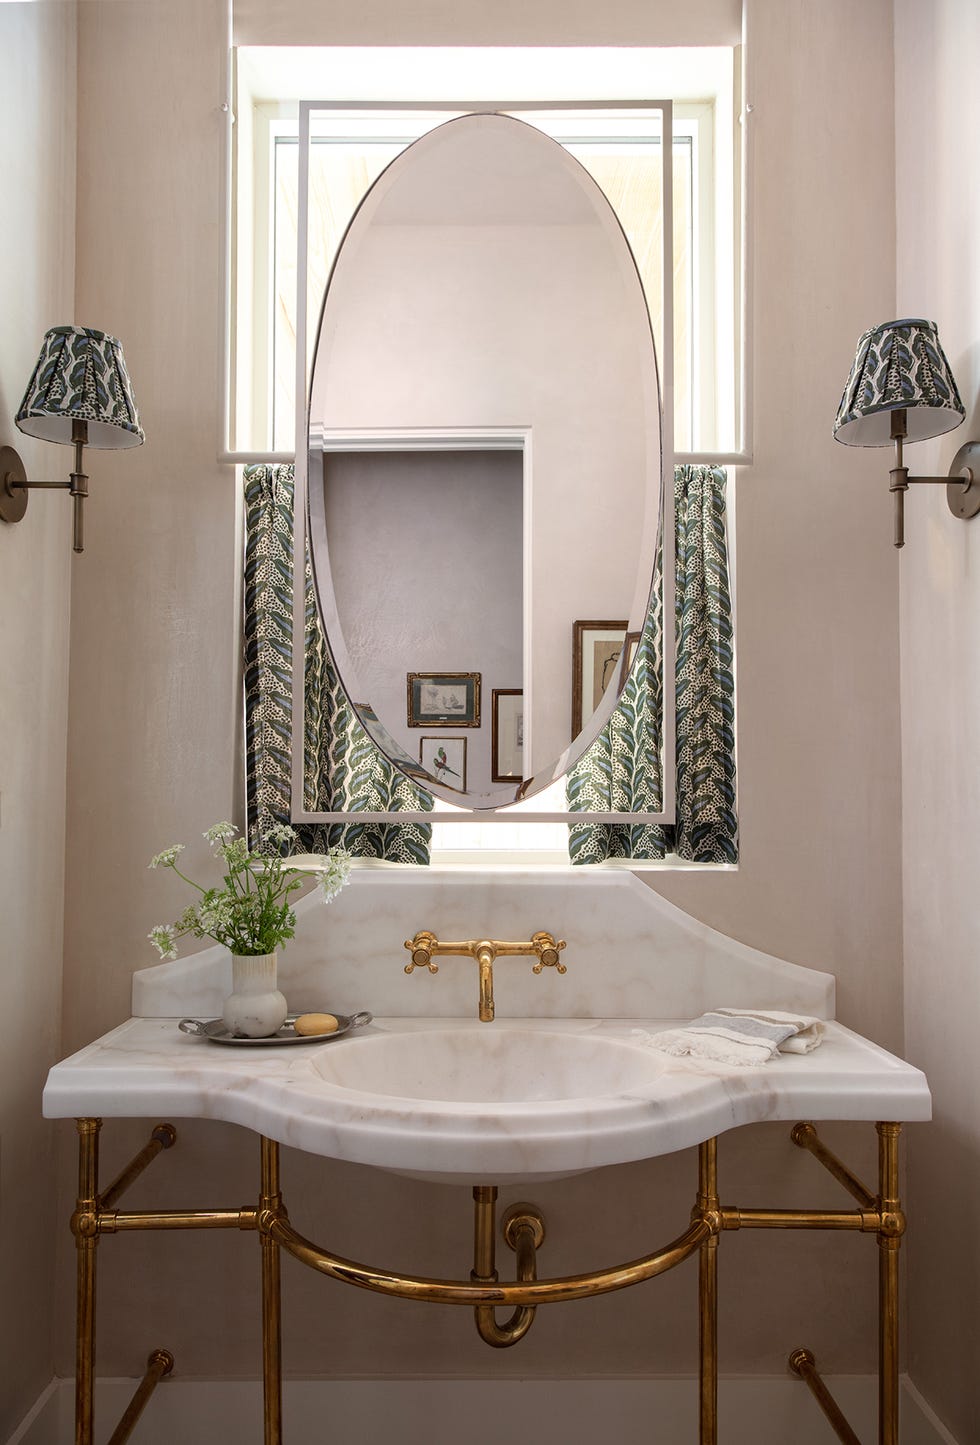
<point>501,1064</point>
<point>454,1100</point>
<point>460,1101</point>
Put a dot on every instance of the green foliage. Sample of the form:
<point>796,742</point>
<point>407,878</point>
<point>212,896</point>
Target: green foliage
<point>621,772</point>
<point>342,768</point>
<point>251,913</point>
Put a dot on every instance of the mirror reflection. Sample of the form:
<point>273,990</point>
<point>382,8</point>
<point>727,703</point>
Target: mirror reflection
<point>484,462</point>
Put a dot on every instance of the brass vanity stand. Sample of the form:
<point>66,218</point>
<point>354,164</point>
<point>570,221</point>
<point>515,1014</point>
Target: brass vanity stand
<point>878,1214</point>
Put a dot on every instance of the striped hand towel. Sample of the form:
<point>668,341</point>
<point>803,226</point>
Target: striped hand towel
<point>740,1036</point>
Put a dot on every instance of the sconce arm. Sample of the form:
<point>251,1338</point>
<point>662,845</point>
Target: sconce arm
<point>962,483</point>
<point>967,481</point>
<point>11,486</point>
<point>14,485</point>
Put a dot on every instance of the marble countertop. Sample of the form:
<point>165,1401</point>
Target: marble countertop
<point>147,1068</point>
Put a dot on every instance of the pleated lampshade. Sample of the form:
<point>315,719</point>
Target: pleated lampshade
<point>81,376</point>
<point>898,365</point>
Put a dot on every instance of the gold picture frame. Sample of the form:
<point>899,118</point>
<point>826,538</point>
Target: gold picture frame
<point>443,699</point>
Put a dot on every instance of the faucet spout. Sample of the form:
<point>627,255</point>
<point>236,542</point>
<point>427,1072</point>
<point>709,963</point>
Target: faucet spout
<point>485,955</point>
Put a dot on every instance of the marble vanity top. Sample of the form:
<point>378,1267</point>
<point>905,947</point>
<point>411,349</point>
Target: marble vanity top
<point>592,1094</point>
<point>147,1068</point>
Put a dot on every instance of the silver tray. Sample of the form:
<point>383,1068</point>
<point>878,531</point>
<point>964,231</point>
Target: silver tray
<point>216,1030</point>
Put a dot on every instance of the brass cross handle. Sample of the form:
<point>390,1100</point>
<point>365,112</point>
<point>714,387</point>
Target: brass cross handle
<point>548,949</point>
<point>421,947</point>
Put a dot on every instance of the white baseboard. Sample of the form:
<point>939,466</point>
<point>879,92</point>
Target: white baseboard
<point>932,1428</point>
<point>41,1420</point>
<point>752,1411</point>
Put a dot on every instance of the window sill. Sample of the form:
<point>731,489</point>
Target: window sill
<point>513,862</point>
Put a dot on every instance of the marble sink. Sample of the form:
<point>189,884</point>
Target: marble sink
<point>456,1101</point>
<point>510,1065</point>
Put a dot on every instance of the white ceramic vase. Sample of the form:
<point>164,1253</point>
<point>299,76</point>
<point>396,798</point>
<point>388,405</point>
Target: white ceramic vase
<point>255,1008</point>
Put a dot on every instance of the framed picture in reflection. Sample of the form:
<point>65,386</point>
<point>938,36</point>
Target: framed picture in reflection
<point>443,699</point>
<point>597,656</point>
<point>507,740</point>
<point>445,760</point>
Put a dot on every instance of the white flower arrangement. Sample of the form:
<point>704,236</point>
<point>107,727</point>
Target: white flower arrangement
<point>251,914</point>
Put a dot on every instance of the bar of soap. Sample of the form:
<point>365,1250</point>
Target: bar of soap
<point>309,1024</point>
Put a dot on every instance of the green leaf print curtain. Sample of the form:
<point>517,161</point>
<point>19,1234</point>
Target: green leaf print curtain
<point>344,770</point>
<point>621,770</point>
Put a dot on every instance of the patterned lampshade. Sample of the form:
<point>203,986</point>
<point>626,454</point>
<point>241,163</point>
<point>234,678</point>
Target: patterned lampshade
<point>81,376</point>
<point>899,364</point>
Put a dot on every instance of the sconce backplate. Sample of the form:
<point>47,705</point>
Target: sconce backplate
<point>13,494</point>
<point>963,494</point>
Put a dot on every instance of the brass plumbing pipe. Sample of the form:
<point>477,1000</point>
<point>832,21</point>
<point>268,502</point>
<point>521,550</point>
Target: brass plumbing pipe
<point>802,1363</point>
<point>164,1136</point>
<point>707,1208</point>
<point>459,1292</point>
<point>523,1229</point>
<point>270,1199</point>
<point>871,1218</point>
<point>869,1221</point>
<point>130,1219</point>
<point>889,1243</point>
<point>879,1214</point>
<point>158,1364</point>
<point>86,1240</point>
<point>884,1216</point>
<point>709,1218</point>
<point>89,1221</point>
<point>805,1136</point>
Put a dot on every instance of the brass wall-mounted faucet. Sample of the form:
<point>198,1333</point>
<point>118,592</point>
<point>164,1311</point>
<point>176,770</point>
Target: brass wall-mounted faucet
<point>425,946</point>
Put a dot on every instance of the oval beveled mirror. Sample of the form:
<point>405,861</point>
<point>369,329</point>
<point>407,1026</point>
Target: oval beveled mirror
<point>484,460</point>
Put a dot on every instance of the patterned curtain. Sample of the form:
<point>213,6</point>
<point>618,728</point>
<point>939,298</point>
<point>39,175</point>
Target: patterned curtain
<point>621,770</point>
<point>344,771</point>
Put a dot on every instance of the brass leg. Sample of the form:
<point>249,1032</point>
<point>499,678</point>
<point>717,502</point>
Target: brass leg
<point>158,1364</point>
<point>802,1363</point>
<point>85,1229</point>
<point>889,1243</point>
<point>805,1136</point>
<point>271,1199</point>
<point>708,1202</point>
<point>164,1136</point>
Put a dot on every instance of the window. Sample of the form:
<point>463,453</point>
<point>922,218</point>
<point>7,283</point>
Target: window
<point>618,145</point>
<point>349,150</point>
<point>538,843</point>
<point>346,158</point>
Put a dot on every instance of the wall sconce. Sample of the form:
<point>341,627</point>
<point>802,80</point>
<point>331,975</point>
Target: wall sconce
<point>901,389</point>
<point>80,394</point>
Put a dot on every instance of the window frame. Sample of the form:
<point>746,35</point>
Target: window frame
<point>257,75</point>
<point>693,125</point>
<point>713,209</point>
